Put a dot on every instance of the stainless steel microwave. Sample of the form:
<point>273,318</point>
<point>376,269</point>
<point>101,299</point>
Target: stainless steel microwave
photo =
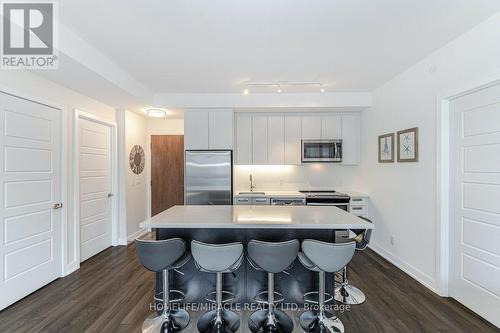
<point>321,151</point>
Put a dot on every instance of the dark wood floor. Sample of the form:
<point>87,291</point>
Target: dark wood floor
<point>112,293</point>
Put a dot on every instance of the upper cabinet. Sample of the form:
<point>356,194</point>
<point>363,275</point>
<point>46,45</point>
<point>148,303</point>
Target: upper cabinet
<point>276,138</point>
<point>195,130</point>
<point>311,127</point>
<point>259,139</point>
<point>208,129</point>
<point>293,137</point>
<point>243,139</point>
<point>351,139</point>
<point>220,129</point>
<point>331,127</point>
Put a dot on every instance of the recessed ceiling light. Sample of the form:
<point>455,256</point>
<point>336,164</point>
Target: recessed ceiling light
<point>245,92</point>
<point>279,90</point>
<point>322,89</point>
<point>156,113</point>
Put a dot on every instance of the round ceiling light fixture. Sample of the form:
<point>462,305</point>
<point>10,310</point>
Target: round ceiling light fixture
<point>156,113</point>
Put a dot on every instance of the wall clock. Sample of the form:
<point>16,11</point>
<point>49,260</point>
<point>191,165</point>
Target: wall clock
<point>136,159</point>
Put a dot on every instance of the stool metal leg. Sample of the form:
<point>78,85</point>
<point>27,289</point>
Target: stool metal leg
<point>219,320</point>
<point>321,321</point>
<point>169,320</point>
<point>348,294</point>
<point>272,319</point>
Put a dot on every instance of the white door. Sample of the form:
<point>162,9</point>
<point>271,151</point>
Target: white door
<point>475,202</point>
<point>30,176</point>
<point>95,188</point>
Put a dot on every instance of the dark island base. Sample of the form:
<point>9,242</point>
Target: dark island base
<point>246,282</point>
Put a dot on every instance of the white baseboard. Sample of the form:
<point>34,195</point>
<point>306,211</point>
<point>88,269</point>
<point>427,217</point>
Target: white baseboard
<point>415,273</point>
<point>122,241</point>
<point>74,266</point>
<point>137,234</point>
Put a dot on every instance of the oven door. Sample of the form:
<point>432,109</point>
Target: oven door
<point>321,151</point>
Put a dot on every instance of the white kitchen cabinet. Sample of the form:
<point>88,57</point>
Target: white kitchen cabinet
<point>293,136</point>
<point>276,139</point>
<point>311,127</point>
<point>351,139</point>
<point>331,127</point>
<point>220,129</point>
<point>259,139</point>
<point>243,139</point>
<point>195,130</point>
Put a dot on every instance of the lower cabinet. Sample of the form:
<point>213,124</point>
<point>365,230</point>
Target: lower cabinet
<point>238,200</point>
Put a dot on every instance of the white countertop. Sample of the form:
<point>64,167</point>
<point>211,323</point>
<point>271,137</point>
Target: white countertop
<point>271,194</point>
<point>257,217</point>
<point>292,194</point>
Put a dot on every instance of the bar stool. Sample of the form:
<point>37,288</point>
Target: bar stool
<point>161,257</point>
<point>323,257</point>
<point>272,257</point>
<point>218,259</point>
<point>346,293</point>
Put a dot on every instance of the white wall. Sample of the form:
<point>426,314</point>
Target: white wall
<point>34,87</point>
<point>403,195</point>
<point>295,177</point>
<point>165,126</point>
<point>136,127</point>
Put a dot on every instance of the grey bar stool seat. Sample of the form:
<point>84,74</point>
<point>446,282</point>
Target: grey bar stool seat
<point>323,257</point>
<point>218,259</point>
<point>346,293</point>
<point>272,257</point>
<point>161,257</point>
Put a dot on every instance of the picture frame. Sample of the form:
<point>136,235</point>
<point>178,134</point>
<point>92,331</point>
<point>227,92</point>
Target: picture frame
<point>386,148</point>
<point>408,145</point>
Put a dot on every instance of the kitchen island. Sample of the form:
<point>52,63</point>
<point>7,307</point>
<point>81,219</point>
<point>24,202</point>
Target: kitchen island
<point>224,224</point>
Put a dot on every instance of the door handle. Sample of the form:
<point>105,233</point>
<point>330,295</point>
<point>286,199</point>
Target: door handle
<point>110,195</point>
<point>57,205</point>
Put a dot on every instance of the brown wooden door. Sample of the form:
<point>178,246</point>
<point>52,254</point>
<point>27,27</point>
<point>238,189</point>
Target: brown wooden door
<point>167,172</point>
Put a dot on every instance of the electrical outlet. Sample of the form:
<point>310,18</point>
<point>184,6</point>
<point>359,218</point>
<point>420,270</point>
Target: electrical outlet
<point>392,240</point>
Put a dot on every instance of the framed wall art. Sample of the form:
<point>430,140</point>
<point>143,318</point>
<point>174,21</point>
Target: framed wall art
<point>386,148</point>
<point>408,145</point>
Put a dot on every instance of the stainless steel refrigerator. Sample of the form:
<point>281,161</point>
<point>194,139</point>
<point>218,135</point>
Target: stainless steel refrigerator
<point>208,177</point>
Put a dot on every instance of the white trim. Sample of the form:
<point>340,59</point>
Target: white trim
<point>64,268</point>
<point>442,177</point>
<point>149,188</point>
<point>77,115</point>
<point>412,271</point>
<point>137,234</point>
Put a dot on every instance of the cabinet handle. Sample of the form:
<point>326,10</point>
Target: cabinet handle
<point>356,208</point>
<point>357,200</point>
<point>260,200</point>
<point>242,200</point>
<point>57,205</point>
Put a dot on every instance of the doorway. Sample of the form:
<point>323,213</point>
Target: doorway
<point>474,213</point>
<point>94,188</point>
<point>167,172</point>
<point>31,197</point>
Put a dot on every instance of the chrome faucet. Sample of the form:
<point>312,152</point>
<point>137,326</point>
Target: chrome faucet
<point>252,184</point>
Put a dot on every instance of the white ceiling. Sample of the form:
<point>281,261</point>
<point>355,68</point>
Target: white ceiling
<point>199,46</point>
